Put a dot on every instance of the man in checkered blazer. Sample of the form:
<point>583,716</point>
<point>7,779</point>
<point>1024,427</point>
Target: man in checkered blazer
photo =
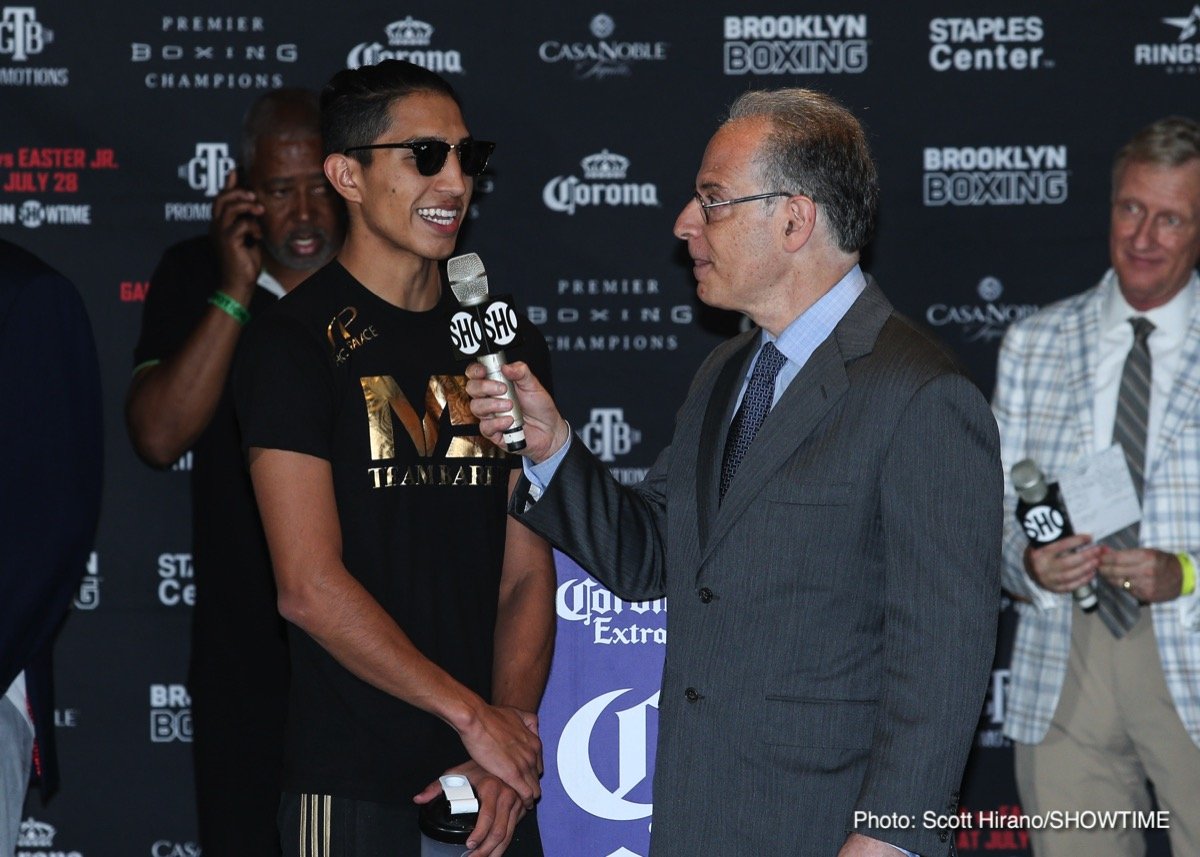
<point>1096,712</point>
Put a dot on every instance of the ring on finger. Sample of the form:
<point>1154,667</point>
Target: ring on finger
<point>1127,584</point>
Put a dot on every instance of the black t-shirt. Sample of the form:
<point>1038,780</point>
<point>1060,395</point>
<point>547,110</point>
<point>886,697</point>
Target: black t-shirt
<point>238,638</point>
<point>336,372</point>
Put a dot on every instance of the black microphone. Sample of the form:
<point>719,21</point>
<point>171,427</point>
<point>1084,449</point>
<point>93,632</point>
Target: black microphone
<point>482,328</point>
<point>1042,514</point>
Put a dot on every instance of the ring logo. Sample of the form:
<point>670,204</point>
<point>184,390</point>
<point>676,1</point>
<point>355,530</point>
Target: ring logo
<point>408,39</point>
<point>575,768</point>
<point>987,44</point>
<point>1181,56</point>
<point>22,36</point>
<point>980,322</point>
<point>176,586</point>
<point>795,44</point>
<point>87,597</point>
<point>588,602</point>
<point>603,183</point>
<point>995,175</point>
<point>602,58</point>
<point>170,714</point>
<point>607,434</point>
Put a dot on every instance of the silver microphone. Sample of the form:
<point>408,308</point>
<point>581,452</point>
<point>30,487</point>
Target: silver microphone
<point>485,326</point>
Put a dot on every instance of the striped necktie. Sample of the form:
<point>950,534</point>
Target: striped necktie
<point>756,403</point>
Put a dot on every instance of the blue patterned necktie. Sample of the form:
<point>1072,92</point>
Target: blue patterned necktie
<point>1117,608</point>
<point>756,403</point>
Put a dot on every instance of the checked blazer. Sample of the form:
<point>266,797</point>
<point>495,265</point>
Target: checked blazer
<point>1043,404</point>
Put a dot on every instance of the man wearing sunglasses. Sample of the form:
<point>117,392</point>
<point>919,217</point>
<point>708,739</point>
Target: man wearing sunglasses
<point>825,524</point>
<point>421,616</point>
<point>275,223</point>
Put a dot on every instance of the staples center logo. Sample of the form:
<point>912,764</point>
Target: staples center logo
<point>407,39</point>
<point>995,175</point>
<point>603,183</point>
<point>632,736</point>
<point>602,58</point>
<point>987,44</point>
<point>21,35</point>
<point>209,168</point>
<point>1181,56</point>
<point>607,434</point>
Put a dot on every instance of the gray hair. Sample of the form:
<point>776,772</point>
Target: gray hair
<point>1169,142</point>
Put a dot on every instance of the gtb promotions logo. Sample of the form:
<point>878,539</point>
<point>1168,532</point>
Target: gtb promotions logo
<point>607,434</point>
<point>175,584</point>
<point>981,322</point>
<point>603,183</point>
<point>206,172</point>
<point>602,58</point>
<point>991,727</point>
<point>612,620</point>
<point>987,44</point>
<point>410,40</point>
<point>629,729</point>
<point>795,44</point>
<point>995,175</point>
<point>22,36</point>
<point>213,52</point>
<point>88,595</point>
<point>34,838</point>
<point>1181,56</point>
<point>170,714</point>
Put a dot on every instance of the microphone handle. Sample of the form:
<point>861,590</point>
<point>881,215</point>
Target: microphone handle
<point>514,435</point>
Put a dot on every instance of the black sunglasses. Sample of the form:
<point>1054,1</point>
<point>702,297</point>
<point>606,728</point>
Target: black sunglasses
<point>430,155</point>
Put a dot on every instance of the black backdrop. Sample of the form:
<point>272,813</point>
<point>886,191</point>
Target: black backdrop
<point>993,124</point>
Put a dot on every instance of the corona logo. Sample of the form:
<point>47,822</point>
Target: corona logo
<point>35,834</point>
<point>408,33</point>
<point>604,166</point>
<point>575,769</point>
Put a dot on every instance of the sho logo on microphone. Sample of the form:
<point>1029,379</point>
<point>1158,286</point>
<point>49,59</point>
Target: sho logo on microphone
<point>629,728</point>
<point>484,329</point>
<point>1043,524</point>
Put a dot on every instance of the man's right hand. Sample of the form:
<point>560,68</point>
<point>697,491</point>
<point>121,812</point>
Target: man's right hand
<point>545,429</point>
<point>235,219</point>
<point>1065,565</point>
<point>505,742</point>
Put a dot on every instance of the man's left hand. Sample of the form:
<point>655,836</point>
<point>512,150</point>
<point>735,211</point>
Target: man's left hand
<point>500,809</point>
<point>1152,575</point>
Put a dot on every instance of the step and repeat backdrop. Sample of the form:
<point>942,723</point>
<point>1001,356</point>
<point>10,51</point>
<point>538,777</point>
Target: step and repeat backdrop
<point>994,124</point>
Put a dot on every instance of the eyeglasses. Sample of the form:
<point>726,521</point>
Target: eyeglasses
<point>430,155</point>
<point>705,206</point>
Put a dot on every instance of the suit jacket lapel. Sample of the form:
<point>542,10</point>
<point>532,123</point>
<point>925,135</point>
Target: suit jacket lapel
<point>1185,394</point>
<point>810,396</point>
<point>1080,333</point>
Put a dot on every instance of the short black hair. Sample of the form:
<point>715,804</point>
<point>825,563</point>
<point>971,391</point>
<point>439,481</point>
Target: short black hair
<point>356,101</point>
<point>281,114</point>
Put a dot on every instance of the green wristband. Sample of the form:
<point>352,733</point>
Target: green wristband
<point>231,307</point>
<point>1189,574</point>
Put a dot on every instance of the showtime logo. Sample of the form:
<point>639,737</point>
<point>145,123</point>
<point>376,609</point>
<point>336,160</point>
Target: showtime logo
<point>980,322</point>
<point>407,39</point>
<point>795,44</point>
<point>592,729</point>
<point>603,183</point>
<point>1180,56</point>
<point>995,175</point>
<point>613,621</point>
<point>607,434</point>
<point>987,44</point>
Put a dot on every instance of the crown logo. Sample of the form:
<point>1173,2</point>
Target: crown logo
<point>35,834</point>
<point>605,165</point>
<point>408,32</point>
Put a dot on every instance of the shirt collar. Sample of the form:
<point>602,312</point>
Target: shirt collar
<point>812,327</point>
<point>270,284</point>
<point>1172,317</point>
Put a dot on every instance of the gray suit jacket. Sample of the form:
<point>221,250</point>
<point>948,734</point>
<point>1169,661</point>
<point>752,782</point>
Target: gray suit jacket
<point>831,625</point>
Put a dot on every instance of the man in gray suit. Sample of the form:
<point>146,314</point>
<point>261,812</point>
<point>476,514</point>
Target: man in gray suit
<point>834,580</point>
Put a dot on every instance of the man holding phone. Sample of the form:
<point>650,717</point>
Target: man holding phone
<point>275,222</point>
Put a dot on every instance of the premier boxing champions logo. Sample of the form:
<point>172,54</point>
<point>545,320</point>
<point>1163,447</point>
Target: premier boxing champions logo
<point>206,52</point>
<point>795,44</point>
<point>613,313</point>
<point>407,39</point>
